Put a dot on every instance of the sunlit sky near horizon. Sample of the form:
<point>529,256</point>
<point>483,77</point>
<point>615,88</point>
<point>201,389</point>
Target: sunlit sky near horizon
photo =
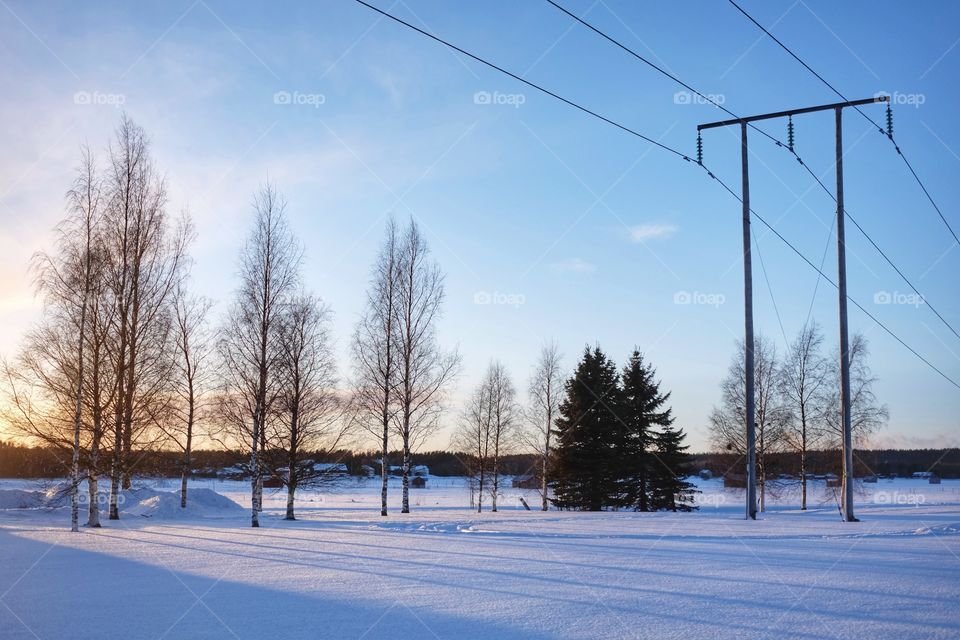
<point>548,223</point>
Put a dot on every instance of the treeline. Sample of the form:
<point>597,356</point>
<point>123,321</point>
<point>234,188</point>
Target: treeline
<point>21,461</point>
<point>881,462</point>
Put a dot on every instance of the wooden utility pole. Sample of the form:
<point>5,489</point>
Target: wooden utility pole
<point>844,340</point>
<point>750,418</point>
<point>748,344</point>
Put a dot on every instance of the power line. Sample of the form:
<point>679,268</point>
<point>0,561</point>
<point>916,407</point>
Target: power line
<point>671,150</point>
<point>888,134</point>
<point>788,147</point>
<point>659,69</point>
<point>763,268</point>
<point>834,284</point>
<point>816,287</point>
<point>523,80</point>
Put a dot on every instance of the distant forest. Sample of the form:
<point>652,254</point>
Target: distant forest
<point>18,461</point>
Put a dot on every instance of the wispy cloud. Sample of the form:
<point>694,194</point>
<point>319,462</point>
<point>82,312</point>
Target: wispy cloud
<point>573,265</point>
<point>644,232</point>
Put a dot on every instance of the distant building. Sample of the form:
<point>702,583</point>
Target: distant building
<point>706,474</point>
<point>233,473</point>
<point>330,468</point>
<point>418,482</point>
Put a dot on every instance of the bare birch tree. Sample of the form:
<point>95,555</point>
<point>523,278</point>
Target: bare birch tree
<point>54,366</point>
<point>503,400</point>
<point>802,380</point>
<point>192,377</point>
<point>374,351</point>
<point>144,254</point>
<point>473,435</point>
<point>77,242</point>
<point>867,414</point>
<point>424,370</point>
<point>311,411</point>
<point>544,393</point>
<point>727,422</point>
<point>269,275</point>
<point>487,428</point>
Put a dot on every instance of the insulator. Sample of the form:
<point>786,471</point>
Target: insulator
<point>889,122</point>
<point>790,133</point>
<point>699,149</point>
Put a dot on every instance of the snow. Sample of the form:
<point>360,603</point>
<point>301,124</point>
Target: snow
<point>444,571</point>
<point>201,503</point>
<point>142,501</point>
<point>21,499</point>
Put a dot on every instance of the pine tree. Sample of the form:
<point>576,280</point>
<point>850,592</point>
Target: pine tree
<point>670,490</point>
<point>642,407</point>
<point>585,466</point>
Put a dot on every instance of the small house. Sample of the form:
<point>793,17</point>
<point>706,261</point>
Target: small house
<point>418,482</point>
<point>706,474</point>
<point>330,468</point>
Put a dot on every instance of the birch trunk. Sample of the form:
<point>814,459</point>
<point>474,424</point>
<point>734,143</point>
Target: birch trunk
<point>93,486</point>
<point>93,508</point>
<point>254,480</point>
<point>184,474</point>
<point>803,471</point>
<point>77,416</point>
<point>544,505</point>
<point>496,474</point>
<point>406,477</point>
<point>480,491</point>
<point>384,467</point>
<point>114,513</point>
<point>291,490</point>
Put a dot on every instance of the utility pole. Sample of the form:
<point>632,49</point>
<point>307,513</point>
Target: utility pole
<point>748,344</point>
<point>844,340</point>
<point>750,419</point>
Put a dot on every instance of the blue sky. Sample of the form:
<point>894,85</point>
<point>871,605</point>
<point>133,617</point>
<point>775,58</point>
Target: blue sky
<point>580,232</point>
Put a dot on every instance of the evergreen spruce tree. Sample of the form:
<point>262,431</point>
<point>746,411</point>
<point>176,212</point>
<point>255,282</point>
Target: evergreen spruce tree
<point>586,468</point>
<point>670,490</point>
<point>642,407</point>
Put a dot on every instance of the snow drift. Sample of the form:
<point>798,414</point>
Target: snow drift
<point>140,501</point>
<point>201,503</point>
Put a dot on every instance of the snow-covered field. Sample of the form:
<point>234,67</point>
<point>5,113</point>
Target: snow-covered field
<point>342,571</point>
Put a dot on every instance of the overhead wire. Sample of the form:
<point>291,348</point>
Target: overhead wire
<point>789,146</point>
<point>888,133</point>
